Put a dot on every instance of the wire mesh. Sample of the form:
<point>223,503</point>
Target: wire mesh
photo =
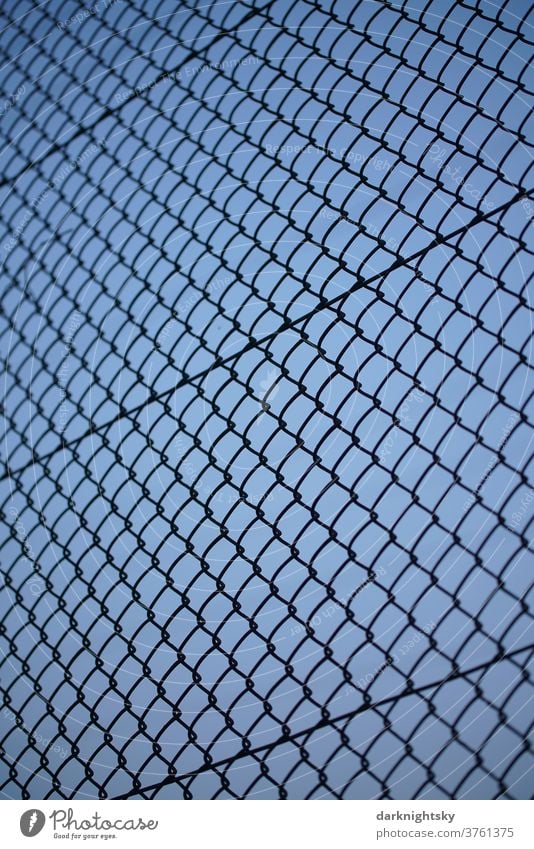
<point>265,334</point>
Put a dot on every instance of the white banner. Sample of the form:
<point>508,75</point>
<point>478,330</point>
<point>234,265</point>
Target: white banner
<point>358,824</point>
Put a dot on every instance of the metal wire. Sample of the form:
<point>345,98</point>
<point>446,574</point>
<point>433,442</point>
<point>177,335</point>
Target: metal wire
<point>265,334</point>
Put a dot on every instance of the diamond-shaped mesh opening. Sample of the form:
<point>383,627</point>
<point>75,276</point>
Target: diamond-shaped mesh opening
<point>265,332</point>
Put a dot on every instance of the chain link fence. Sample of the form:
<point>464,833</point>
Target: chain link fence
<point>265,327</point>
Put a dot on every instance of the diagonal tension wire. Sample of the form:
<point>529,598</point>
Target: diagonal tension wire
<point>325,722</point>
<point>212,587</point>
<point>287,325</point>
<point>108,112</point>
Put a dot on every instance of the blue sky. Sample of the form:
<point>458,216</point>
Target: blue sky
<point>266,332</point>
